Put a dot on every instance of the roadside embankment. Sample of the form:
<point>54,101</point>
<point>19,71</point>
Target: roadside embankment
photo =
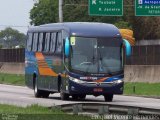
<point>142,73</point>
<point>12,68</point>
<point>133,73</point>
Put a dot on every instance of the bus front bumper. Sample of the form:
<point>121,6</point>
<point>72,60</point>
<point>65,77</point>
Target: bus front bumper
<point>95,88</point>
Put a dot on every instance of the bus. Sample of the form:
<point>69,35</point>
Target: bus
<point>75,59</point>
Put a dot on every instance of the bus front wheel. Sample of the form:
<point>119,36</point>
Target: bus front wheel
<point>75,97</point>
<point>108,97</point>
<point>63,95</point>
<point>37,92</point>
<point>45,94</point>
<point>82,97</point>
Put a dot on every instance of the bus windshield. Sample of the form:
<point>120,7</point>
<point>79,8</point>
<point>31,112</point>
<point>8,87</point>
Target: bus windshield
<point>96,55</point>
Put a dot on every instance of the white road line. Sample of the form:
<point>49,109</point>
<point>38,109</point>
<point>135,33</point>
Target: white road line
<point>12,86</point>
<point>27,98</point>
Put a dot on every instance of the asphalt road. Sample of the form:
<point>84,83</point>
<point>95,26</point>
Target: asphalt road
<point>23,96</point>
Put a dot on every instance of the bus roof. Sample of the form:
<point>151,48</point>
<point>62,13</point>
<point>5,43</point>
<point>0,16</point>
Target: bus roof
<point>86,29</point>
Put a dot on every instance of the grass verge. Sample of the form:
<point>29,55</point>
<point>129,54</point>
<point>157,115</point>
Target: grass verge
<point>145,89</point>
<point>36,112</point>
<point>130,88</point>
<point>12,79</point>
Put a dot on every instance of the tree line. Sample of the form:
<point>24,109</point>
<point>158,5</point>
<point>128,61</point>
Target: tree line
<point>46,11</point>
<point>11,38</point>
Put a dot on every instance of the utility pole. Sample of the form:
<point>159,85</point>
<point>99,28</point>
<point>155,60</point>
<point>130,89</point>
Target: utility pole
<point>60,10</point>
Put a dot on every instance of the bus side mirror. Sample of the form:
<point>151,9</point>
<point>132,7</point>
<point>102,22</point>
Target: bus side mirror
<point>67,50</point>
<point>128,47</point>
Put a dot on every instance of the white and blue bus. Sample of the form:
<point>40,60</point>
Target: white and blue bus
<point>75,59</point>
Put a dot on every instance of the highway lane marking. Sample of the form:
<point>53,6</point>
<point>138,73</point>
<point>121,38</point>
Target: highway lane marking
<point>13,92</point>
<point>31,98</point>
<point>13,86</point>
<point>27,98</point>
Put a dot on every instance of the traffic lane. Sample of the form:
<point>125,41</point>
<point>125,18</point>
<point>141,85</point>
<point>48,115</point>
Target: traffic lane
<point>23,96</point>
<point>24,100</point>
<point>15,89</point>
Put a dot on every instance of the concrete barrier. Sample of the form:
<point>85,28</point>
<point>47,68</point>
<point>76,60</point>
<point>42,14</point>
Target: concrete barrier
<point>142,73</point>
<point>12,68</point>
<point>133,73</point>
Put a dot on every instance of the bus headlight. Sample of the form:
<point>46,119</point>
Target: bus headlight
<point>76,80</point>
<point>118,81</point>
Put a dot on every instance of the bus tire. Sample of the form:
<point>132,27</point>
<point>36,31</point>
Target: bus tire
<point>75,97</point>
<point>108,97</point>
<point>59,83</point>
<point>37,92</point>
<point>45,94</point>
<point>63,95</point>
<point>82,97</point>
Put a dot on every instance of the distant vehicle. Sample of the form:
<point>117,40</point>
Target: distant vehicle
<point>75,59</point>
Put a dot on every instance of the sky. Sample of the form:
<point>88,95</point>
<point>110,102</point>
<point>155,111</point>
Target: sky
<point>15,13</point>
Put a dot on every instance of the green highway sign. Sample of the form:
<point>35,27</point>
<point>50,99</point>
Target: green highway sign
<point>106,7</point>
<point>147,7</point>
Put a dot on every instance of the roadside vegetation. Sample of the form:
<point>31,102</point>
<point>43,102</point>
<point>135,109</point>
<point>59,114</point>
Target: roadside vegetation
<point>145,28</point>
<point>36,112</point>
<point>144,89</point>
<point>130,88</point>
<point>12,79</point>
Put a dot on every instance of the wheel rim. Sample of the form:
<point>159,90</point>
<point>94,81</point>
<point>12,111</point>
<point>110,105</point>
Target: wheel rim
<point>35,88</point>
<point>61,93</point>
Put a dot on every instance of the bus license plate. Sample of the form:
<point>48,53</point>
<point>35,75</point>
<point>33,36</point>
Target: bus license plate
<point>97,89</point>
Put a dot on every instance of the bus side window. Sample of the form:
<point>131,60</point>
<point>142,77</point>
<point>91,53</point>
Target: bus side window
<point>53,42</point>
<point>47,40</point>
<point>59,43</point>
<point>35,41</point>
<point>29,41</point>
<point>40,42</point>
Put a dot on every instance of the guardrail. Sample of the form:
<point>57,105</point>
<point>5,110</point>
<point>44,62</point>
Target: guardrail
<point>103,109</point>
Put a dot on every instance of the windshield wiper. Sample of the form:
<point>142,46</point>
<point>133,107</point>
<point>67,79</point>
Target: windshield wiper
<point>93,62</point>
<point>100,67</point>
<point>100,55</point>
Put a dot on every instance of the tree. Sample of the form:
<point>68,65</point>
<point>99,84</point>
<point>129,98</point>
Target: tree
<point>11,38</point>
<point>123,25</point>
<point>1,46</point>
<point>144,27</point>
<point>46,11</point>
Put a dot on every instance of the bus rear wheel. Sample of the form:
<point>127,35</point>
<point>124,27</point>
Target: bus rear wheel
<point>63,95</point>
<point>37,92</point>
<point>108,97</point>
